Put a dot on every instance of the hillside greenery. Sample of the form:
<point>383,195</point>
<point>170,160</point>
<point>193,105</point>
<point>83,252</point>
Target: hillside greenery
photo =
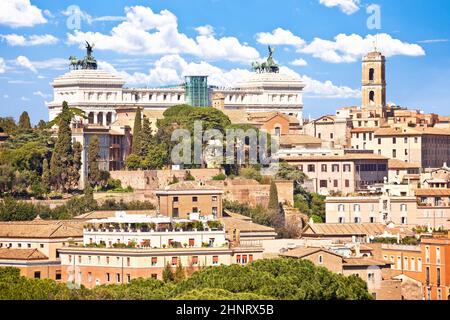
<point>277,279</point>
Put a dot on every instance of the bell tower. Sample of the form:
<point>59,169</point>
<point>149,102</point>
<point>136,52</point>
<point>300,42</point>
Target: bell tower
<point>374,81</point>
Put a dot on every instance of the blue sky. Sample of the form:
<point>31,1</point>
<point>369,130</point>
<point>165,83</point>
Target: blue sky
<point>155,42</point>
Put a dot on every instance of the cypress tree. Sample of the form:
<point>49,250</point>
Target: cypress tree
<point>24,121</point>
<point>61,160</point>
<point>76,164</point>
<point>94,176</point>
<point>45,176</point>
<point>146,139</point>
<point>137,129</point>
<point>273,196</point>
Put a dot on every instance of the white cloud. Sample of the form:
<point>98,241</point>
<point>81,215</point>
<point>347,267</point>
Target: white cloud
<point>2,65</point>
<point>346,6</point>
<point>279,36</point>
<point>205,30</point>
<point>171,69</point>
<point>20,13</point>
<point>350,48</point>
<point>33,40</point>
<point>5,96</point>
<point>433,41</point>
<point>25,99</point>
<point>84,16</point>
<point>42,95</point>
<point>299,62</point>
<point>26,63</point>
<point>147,33</point>
<point>54,64</point>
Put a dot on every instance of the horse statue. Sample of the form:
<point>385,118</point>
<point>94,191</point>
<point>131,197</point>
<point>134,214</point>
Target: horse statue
<point>75,62</point>
<point>268,66</point>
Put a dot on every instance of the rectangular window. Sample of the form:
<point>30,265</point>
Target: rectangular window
<point>128,261</point>
<point>323,183</point>
<point>335,183</point>
<point>58,275</point>
<point>174,261</point>
<point>394,140</point>
<point>194,199</point>
<point>250,258</point>
<point>108,277</point>
<point>215,260</point>
<point>89,276</point>
<point>347,183</point>
<point>118,277</point>
<point>195,260</point>
<point>335,168</point>
<point>394,153</point>
<point>175,199</point>
<point>324,168</point>
<point>238,258</point>
<point>154,261</point>
<point>214,198</point>
<point>128,277</point>
<point>194,210</point>
<point>191,242</point>
<point>175,213</point>
<point>311,168</point>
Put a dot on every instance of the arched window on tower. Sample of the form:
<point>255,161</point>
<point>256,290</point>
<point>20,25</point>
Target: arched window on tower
<point>372,96</point>
<point>371,74</point>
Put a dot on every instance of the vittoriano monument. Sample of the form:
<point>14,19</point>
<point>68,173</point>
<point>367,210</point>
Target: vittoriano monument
<point>266,67</point>
<point>88,63</point>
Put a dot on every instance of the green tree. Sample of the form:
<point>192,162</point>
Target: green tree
<point>273,197</point>
<point>45,176</point>
<point>179,274</point>
<point>75,168</point>
<point>133,162</point>
<point>137,130</point>
<point>24,121</point>
<point>8,125</point>
<point>61,160</point>
<point>168,275</point>
<point>146,137</point>
<point>94,174</point>
<point>156,158</point>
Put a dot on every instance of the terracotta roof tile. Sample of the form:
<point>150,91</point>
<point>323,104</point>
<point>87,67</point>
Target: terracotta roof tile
<point>398,164</point>
<point>22,254</point>
<point>348,229</point>
<point>41,229</point>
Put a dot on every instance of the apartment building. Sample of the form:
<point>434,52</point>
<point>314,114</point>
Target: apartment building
<point>372,271</point>
<point>344,174</point>
<point>428,263</point>
<point>119,249</point>
<point>181,199</point>
<point>32,246</point>
<point>429,147</point>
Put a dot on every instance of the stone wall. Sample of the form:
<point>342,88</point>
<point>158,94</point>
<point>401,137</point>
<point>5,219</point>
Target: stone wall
<point>155,179</point>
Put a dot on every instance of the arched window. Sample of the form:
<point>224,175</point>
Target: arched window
<point>371,74</point>
<point>372,96</point>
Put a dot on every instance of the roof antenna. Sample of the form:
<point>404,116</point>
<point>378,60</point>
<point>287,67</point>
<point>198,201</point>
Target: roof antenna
<point>375,43</point>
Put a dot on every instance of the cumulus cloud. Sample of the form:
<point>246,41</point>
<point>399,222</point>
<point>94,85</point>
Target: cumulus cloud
<point>346,6</point>
<point>299,62</point>
<point>20,13</point>
<point>54,64</point>
<point>350,48</point>
<point>171,69</point>
<point>25,63</point>
<point>147,33</point>
<point>2,65</point>
<point>279,36</point>
<point>33,40</point>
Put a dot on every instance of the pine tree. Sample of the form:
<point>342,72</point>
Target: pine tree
<point>45,176</point>
<point>24,121</point>
<point>61,160</point>
<point>94,176</point>
<point>76,165</point>
<point>137,129</point>
<point>273,196</point>
<point>146,139</point>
